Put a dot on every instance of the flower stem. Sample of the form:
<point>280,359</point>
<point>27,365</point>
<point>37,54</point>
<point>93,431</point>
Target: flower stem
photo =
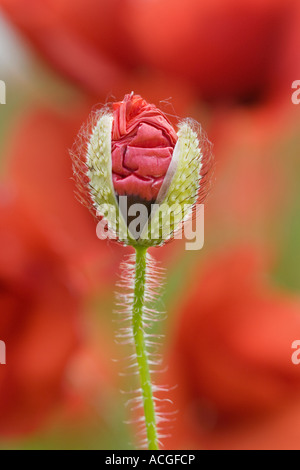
<point>140,345</point>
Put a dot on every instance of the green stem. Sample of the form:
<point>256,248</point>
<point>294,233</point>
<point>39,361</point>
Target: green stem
<point>140,345</point>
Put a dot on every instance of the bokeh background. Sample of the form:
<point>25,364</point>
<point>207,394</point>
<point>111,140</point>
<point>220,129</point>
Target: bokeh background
<point>234,307</point>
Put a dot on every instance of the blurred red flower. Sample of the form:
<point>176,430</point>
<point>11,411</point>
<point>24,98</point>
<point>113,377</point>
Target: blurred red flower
<point>253,180</point>
<point>232,358</point>
<point>39,320</point>
<point>86,41</point>
<point>51,261</point>
<point>82,39</point>
<point>40,167</point>
<point>225,49</point>
<point>288,66</point>
<point>228,49</point>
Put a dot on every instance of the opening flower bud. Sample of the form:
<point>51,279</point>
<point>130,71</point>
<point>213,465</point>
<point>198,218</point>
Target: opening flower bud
<point>135,172</point>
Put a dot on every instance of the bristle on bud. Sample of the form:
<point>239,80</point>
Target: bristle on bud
<point>133,171</point>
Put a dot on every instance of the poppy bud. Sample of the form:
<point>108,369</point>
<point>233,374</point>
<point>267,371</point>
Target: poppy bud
<point>129,160</point>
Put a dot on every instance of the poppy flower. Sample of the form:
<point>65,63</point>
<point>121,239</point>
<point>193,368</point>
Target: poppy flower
<point>225,49</point>
<point>40,320</point>
<point>231,357</point>
<point>51,262</point>
<point>253,181</point>
<point>76,40</point>
<point>133,152</point>
<point>42,174</point>
<point>228,49</point>
<point>143,142</point>
<point>288,67</point>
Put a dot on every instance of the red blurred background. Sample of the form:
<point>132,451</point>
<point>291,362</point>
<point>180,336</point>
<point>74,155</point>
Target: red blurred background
<point>233,308</point>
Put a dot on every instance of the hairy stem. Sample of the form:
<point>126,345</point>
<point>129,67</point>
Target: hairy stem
<point>140,345</point>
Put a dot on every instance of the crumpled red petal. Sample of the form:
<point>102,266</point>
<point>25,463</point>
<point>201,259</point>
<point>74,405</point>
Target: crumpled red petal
<point>143,141</point>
